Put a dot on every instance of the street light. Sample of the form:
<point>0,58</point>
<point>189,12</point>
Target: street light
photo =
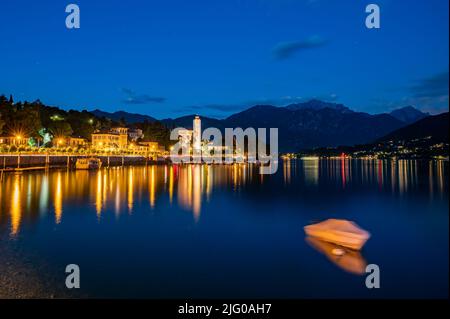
<point>59,141</point>
<point>18,138</point>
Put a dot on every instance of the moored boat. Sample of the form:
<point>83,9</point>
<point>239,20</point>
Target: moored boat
<point>88,163</point>
<point>340,232</point>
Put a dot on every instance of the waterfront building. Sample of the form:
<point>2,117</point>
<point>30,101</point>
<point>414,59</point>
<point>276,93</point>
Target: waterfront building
<point>115,139</point>
<point>185,138</point>
<point>150,149</point>
<point>217,149</point>
<point>76,142</point>
<point>134,134</point>
<point>138,148</point>
<point>197,135</point>
<point>119,130</point>
<point>13,140</point>
<point>192,139</point>
<point>152,146</point>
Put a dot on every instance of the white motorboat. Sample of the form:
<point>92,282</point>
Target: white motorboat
<point>340,232</point>
<point>88,163</point>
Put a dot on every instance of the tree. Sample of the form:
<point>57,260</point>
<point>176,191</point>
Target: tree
<point>83,123</point>
<point>21,119</point>
<point>60,129</point>
<point>156,132</point>
<point>2,124</point>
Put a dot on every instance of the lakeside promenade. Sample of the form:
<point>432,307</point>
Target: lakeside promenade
<point>10,162</point>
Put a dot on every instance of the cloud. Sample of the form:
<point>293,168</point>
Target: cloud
<point>286,50</point>
<point>132,98</point>
<point>432,87</point>
<point>430,94</point>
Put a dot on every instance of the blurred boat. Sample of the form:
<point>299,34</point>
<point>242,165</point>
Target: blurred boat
<point>340,232</point>
<point>350,260</point>
<point>88,163</point>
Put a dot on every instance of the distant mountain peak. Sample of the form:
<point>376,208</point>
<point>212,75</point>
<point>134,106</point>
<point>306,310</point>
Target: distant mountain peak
<point>408,108</point>
<point>408,114</point>
<point>316,104</point>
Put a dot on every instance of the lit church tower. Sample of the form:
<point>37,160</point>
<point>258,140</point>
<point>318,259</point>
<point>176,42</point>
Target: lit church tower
<point>197,135</point>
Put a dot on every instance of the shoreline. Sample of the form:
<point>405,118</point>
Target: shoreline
<point>22,162</point>
<point>18,163</point>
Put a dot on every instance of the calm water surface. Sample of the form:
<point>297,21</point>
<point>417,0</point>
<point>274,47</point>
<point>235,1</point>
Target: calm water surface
<point>226,231</point>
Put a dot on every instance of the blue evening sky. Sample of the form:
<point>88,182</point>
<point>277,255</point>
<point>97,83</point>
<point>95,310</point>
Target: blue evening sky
<point>176,57</point>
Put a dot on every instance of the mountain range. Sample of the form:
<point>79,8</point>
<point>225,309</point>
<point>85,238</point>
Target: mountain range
<point>408,114</point>
<point>301,125</point>
<point>436,127</point>
<point>126,116</point>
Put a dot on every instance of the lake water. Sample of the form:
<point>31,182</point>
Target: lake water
<point>226,231</point>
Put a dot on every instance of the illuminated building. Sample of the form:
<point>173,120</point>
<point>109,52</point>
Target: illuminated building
<point>217,151</point>
<point>120,130</point>
<point>13,140</point>
<point>117,138</point>
<point>76,141</point>
<point>135,134</point>
<point>197,135</point>
<point>188,138</point>
<point>151,146</point>
<point>185,137</point>
<point>138,148</point>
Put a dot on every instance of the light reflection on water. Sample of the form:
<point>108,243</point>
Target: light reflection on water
<point>226,231</point>
<point>29,196</point>
<point>114,188</point>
